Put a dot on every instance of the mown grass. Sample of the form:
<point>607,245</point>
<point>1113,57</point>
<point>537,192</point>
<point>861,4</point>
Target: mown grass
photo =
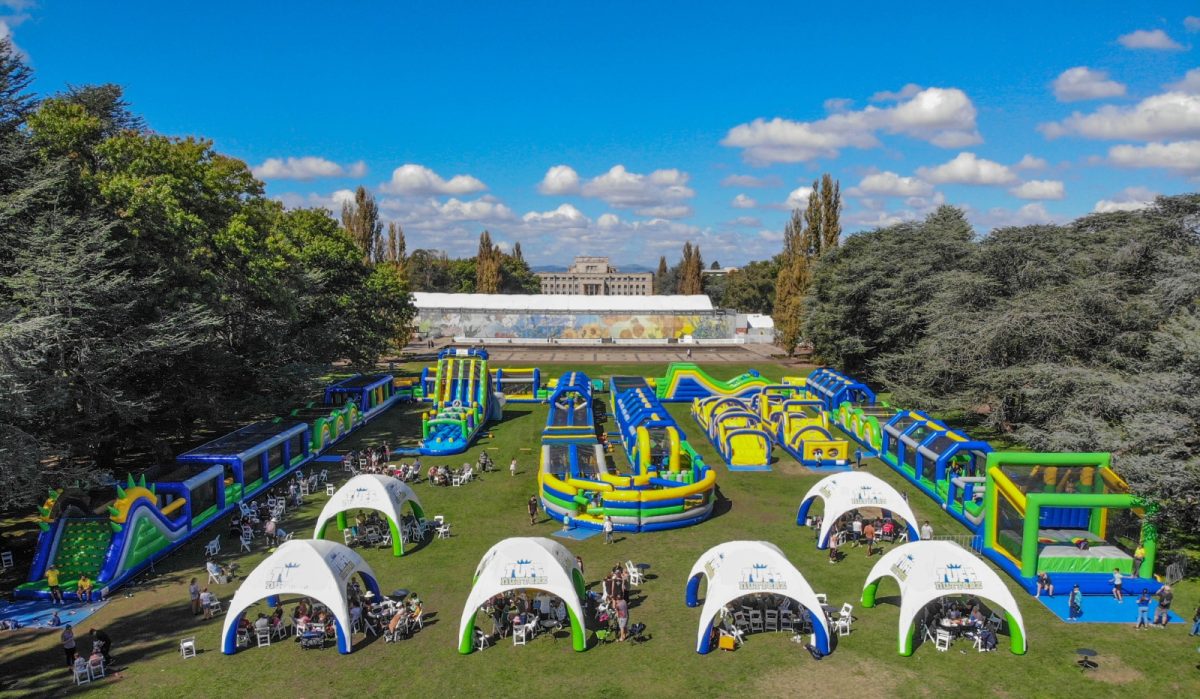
<point>147,626</point>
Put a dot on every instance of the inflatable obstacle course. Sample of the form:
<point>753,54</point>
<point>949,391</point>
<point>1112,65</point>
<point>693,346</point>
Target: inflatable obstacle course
<point>684,382</point>
<point>668,486</point>
<point>112,540</point>
<point>463,402</point>
<point>738,433</point>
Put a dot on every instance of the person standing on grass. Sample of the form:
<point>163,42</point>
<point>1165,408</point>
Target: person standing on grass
<point>68,644</point>
<point>926,531</point>
<point>194,596</point>
<point>512,468</point>
<point>1195,617</point>
<point>533,510</point>
<point>868,531</point>
<point>1143,605</point>
<point>1117,581</point>
<point>608,529</point>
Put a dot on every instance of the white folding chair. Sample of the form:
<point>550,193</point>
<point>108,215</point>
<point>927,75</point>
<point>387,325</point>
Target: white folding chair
<point>6,560</point>
<point>262,637</point>
<point>756,620</point>
<point>213,547</point>
<point>787,620</point>
<point>481,640</point>
<point>330,489</point>
<point>943,640</point>
<point>822,598</point>
<point>324,475</point>
<point>456,481</point>
<point>519,635</point>
<point>304,487</point>
<point>246,541</point>
<point>771,620</point>
<point>82,676</point>
<point>348,536</point>
<point>96,668</point>
<point>443,531</point>
<point>187,647</point>
<point>214,606</point>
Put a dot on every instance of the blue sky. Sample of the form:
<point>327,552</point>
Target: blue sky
<point>628,128</point>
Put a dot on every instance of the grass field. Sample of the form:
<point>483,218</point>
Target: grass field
<point>147,626</point>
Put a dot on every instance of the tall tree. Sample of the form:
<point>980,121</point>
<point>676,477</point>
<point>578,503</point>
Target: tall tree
<point>715,265</point>
<point>360,218</point>
<point>487,266</point>
<point>660,276</point>
<point>791,283</point>
<point>396,251</point>
<point>831,213</point>
<point>516,253</point>
<point>690,276</point>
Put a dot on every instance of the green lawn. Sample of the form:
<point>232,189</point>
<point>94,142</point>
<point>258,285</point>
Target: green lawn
<point>147,627</point>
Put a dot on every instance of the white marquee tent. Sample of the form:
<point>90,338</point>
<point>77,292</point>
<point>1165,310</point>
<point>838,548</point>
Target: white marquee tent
<point>317,569</point>
<point>369,491</point>
<point>738,568</point>
<point>843,492</point>
<point>927,570</point>
<point>531,563</point>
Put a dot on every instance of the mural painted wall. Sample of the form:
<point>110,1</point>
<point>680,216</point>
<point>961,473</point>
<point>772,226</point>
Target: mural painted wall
<point>435,323</point>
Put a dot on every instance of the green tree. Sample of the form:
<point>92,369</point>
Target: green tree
<point>487,266</point>
<point>690,266</point>
<point>660,286</point>
<point>751,289</point>
<point>517,254</point>
<point>516,276</point>
<point>360,218</point>
<point>396,251</point>
<point>792,282</point>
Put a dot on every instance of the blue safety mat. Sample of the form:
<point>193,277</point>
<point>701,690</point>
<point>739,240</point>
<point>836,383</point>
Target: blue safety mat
<point>576,533</point>
<point>1102,609</point>
<point>37,613</point>
<point>329,458</point>
<point>748,468</point>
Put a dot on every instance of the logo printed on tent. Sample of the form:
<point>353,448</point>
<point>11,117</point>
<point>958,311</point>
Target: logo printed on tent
<point>901,567</point>
<point>711,565</point>
<point>956,577</point>
<point>340,564</point>
<point>761,576</point>
<point>866,496</point>
<point>280,575</point>
<point>523,573</point>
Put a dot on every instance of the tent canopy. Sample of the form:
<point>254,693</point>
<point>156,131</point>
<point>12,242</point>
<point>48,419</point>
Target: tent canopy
<point>738,568</point>
<point>371,491</point>
<point>927,570</point>
<point>534,563</point>
<point>843,492</point>
<point>317,569</point>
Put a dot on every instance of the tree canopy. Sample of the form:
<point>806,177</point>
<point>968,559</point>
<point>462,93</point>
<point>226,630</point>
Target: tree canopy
<point>148,288</point>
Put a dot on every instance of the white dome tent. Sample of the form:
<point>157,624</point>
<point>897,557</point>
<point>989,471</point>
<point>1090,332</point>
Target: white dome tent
<point>738,568</point>
<point>843,492</point>
<point>369,491</point>
<point>317,569</point>
<point>927,570</point>
<point>534,563</point>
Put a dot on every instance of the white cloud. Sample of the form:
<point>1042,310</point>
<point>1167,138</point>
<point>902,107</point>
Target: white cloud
<point>1192,24</point>
<point>306,168</point>
<point>333,202</point>
<point>565,216</point>
<point>909,90</point>
<point>942,116</point>
<point>482,209</point>
<point>1189,84</point>
<point>661,193</point>
<point>752,181</point>
<point>1180,156</point>
<point>1166,115</point>
<point>746,222</point>
<point>1083,83</point>
<point>560,179</point>
<point>967,168</point>
<point>1039,189</point>
<point>1027,215</point>
<point>412,180</point>
<point>798,198</point>
<point>1030,162</point>
<point>742,201</point>
<point>889,184</point>
<point>1155,39</point>
<point>16,19</point>
<point>1128,199</point>
<point>837,105</point>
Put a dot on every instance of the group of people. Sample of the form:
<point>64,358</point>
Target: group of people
<point>967,615</point>
<point>615,600</point>
<point>370,459</point>
<point>101,647</point>
<point>858,530</point>
<point>514,609</point>
<point>84,588</point>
